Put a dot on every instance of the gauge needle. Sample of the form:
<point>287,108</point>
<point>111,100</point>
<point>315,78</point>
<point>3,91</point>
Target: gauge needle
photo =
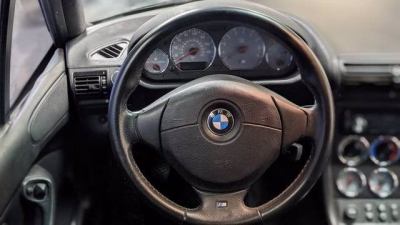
<point>350,180</point>
<point>192,51</point>
<point>242,49</point>
<point>155,66</point>
<point>380,186</point>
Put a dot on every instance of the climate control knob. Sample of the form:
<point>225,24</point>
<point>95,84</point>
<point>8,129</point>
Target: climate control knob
<point>385,150</point>
<point>353,150</point>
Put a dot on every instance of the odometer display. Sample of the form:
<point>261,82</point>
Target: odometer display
<point>192,49</point>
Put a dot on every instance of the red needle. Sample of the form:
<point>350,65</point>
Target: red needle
<point>242,49</point>
<point>155,66</point>
<point>350,179</point>
<point>192,51</point>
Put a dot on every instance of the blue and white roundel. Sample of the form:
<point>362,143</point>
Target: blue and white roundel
<point>220,121</point>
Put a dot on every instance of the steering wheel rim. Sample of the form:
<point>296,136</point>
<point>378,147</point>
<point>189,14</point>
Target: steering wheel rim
<point>122,122</point>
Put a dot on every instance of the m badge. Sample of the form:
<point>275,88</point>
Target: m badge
<point>221,204</point>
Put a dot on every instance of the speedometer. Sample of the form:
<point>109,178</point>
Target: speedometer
<point>241,48</point>
<point>192,49</point>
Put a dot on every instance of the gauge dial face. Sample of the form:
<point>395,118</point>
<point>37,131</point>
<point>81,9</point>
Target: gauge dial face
<point>157,62</point>
<point>353,150</point>
<point>350,182</point>
<point>278,57</point>
<point>383,182</point>
<point>192,49</point>
<point>385,150</point>
<point>241,48</point>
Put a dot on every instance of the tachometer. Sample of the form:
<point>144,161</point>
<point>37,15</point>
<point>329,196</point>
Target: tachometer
<point>241,48</point>
<point>157,62</point>
<point>192,49</point>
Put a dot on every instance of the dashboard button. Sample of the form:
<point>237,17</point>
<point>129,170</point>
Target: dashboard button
<point>360,124</point>
<point>369,216</point>
<point>395,215</point>
<point>351,212</point>
<point>383,217</point>
<point>382,207</point>
<point>369,207</point>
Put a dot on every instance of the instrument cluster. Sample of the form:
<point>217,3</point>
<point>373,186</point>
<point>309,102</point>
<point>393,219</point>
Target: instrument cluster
<point>220,48</point>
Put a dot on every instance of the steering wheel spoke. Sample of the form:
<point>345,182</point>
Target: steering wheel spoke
<point>293,119</point>
<point>312,117</point>
<point>221,208</point>
<point>128,132</point>
<point>148,125</point>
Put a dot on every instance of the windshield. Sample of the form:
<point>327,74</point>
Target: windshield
<point>96,10</point>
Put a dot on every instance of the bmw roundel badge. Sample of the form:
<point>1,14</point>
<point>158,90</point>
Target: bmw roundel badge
<point>220,121</point>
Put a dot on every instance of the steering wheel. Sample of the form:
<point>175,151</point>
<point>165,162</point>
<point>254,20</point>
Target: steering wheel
<point>221,132</point>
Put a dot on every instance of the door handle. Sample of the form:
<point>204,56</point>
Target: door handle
<point>38,187</point>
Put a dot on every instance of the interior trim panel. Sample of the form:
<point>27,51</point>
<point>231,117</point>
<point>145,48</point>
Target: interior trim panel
<point>21,141</point>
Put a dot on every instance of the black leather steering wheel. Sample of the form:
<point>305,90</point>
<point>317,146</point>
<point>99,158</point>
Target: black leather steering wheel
<point>222,162</point>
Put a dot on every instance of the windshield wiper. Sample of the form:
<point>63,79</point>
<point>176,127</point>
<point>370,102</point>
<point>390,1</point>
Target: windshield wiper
<point>140,9</point>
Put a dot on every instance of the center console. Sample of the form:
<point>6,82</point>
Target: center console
<point>362,180</point>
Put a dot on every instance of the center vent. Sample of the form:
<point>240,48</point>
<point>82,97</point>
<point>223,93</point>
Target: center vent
<point>371,73</point>
<point>90,83</point>
<point>111,51</point>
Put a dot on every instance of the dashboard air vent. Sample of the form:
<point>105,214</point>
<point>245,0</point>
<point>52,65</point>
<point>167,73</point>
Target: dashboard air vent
<point>111,51</point>
<point>371,73</point>
<point>90,83</point>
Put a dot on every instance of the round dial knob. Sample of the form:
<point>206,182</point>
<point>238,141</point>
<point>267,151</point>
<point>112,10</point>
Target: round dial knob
<point>385,151</point>
<point>353,150</point>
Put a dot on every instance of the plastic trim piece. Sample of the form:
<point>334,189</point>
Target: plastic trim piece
<point>64,19</point>
<point>18,152</point>
<point>6,26</point>
<point>170,85</point>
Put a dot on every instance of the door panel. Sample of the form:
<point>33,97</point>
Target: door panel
<point>32,124</point>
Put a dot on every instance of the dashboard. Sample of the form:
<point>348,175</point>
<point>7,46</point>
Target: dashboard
<point>365,165</point>
<point>219,48</point>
